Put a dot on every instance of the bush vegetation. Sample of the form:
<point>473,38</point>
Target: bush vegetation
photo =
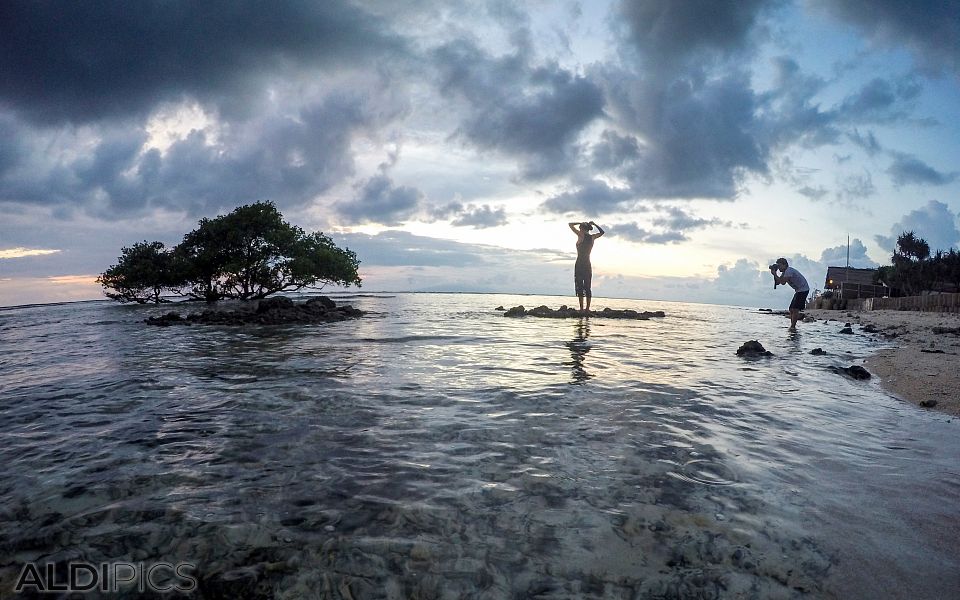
<point>914,270</point>
<point>249,253</point>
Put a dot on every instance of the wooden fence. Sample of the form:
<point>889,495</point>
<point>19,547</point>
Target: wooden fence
<point>945,303</point>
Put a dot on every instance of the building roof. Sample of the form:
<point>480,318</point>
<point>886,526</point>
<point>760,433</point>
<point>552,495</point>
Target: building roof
<point>838,275</point>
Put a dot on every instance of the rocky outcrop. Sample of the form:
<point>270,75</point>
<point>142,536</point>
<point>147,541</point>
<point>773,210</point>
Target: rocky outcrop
<point>279,310</point>
<point>818,352</point>
<point>847,329</point>
<point>856,372</point>
<point>565,312</point>
<point>753,349</point>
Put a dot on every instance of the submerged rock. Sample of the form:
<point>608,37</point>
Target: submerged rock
<point>565,312</point>
<point>753,348</point>
<point>279,310</point>
<point>855,371</point>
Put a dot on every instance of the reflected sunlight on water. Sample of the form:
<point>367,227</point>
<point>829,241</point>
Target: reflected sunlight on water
<point>435,449</point>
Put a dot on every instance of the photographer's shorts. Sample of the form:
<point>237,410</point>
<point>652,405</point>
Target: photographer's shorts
<point>799,300</point>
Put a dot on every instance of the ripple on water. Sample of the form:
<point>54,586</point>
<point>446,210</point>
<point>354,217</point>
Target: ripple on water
<point>437,449</point>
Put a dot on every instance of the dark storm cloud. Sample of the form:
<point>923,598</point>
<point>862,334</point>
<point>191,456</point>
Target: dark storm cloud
<point>379,200</point>
<point>689,123</point>
<point>934,222</point>
<point>791,113</point>
<point>879,101</point>
<point>698,135</point>
<point>671,33</point>
<point>930,29</point>
<point>634,233</point>
<point>678,219</point>
<point>286,158</point>
<point>672,224</point>
<point>79,62</point>
<point>591,198</point>
<point>533,113</point>
<point>907,169</point>
<point>613,151</point>
<point>478,217</point>
<point>481,217</point>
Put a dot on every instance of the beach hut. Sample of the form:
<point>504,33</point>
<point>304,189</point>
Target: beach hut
<point>849,283</point>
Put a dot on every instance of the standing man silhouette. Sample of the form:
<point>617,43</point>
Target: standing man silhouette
<point>583,270</point>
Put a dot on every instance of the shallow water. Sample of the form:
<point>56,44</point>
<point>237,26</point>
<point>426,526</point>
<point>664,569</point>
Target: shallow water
<point>435,449</point>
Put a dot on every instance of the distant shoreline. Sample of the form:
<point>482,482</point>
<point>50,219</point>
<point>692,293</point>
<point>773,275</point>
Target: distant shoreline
<point>922,367</point>
<point>380,293</point>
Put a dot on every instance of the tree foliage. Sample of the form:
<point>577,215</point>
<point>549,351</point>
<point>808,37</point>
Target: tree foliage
<point>249,253</point>
<point>142,273</point>
<point>913,270</point>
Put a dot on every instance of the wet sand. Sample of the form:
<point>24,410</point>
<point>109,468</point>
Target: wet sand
<point>922,367</point>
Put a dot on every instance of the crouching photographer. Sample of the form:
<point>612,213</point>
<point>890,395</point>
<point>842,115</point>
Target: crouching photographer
<point>792,277</point>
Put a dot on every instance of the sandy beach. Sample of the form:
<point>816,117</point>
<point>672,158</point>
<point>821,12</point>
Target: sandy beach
<point>922,367</point>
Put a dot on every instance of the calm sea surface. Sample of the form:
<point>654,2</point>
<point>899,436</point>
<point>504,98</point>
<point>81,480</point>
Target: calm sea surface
<point>436,449</point>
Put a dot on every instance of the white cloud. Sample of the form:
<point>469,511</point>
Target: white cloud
<point>935,222</point>
<point>21,252</point>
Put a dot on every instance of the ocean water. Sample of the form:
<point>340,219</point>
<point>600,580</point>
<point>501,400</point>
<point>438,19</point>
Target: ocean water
<point>436,449</point>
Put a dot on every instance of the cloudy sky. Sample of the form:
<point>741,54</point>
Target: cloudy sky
<point>449,143</point>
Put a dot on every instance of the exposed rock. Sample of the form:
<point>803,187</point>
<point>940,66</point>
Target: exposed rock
<point>928,403</point>
<point>279,310</point>
<point>818,352</point>
<point>278,303</point>
<point>516,311</point>
<point>166,320</point>
<point>323,301</point>
<point>500,308</point>
<point>870,328</point>
<point>856,372</point>
<point>847,329</point>
<point>753,348</point>
<point>925,350</point>
<point>565,312</point>
<point>943,330</point>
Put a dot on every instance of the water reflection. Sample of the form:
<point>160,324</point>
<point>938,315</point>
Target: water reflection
<point>579,346</point>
